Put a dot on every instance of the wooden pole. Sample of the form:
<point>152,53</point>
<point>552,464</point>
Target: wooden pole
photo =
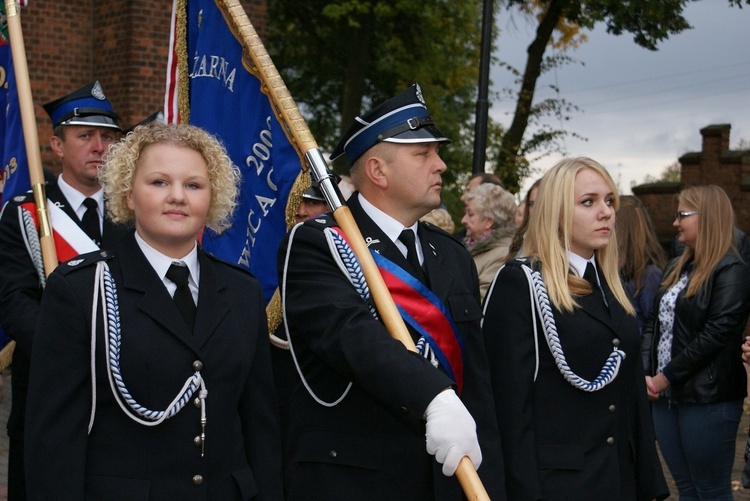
<point>260,63</point>
<point>30,135</point>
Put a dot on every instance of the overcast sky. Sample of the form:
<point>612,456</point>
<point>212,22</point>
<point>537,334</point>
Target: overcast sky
<point>640,109</point>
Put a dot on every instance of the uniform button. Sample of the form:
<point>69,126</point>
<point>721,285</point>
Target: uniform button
<point>616,342</point>
<point>610,441</point>
<point>333,454</point>
<point>197,440</point>
<point>612,408</point>
<point>197,479</point>
<point>197,402</point>
<point>404,410</point>
<point>197,365</point>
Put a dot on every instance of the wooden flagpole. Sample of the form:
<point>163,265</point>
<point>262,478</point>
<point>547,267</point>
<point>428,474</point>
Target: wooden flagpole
<point>260,63</point>
<point>30,135</point>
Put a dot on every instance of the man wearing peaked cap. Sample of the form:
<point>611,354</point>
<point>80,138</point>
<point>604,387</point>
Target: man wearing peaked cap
<point>85,125</point>
<point>372,420</point>
<point>313,203</point>
<point>401,119</point>
<point>86,106</point>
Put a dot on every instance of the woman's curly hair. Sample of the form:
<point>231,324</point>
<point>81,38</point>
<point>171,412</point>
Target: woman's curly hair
<point>118,171</point>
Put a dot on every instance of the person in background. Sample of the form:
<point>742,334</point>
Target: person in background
<point>151,375</point>
<point>516,246</point>
<point>441,218</point>
<point>370,415</point>
<point>481,178</point>
<point>692,347</point>
<point>641,256</point>
<point>520,213</point>
<point>563,346</point>
<point>475,180</point>
<point>85,125</point>
<point>490,226</point>
<point>313,203</point>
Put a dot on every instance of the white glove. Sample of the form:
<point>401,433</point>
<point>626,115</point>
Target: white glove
<point>451,432</point>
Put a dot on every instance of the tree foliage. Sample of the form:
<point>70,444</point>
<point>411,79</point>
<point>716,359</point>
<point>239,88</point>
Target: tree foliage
<point>649,21</point>
<point>560,24</point>
<point>340,57</point>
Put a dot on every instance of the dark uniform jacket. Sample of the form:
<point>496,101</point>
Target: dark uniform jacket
<point>122,459</point>
<point>371,445</point>
<point>560,442</point>
<point>706,363</point>
<point>21,292</point>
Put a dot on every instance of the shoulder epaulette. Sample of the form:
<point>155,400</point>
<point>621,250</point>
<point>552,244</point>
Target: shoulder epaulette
<point>534,264</point>
<point>322,221</point>
<point>24,197</point>
<point>84,260</point>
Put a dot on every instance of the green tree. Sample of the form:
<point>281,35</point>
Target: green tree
<point>339,57</point>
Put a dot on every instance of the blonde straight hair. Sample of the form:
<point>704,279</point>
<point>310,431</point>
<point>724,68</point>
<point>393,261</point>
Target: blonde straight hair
<point>548,237</point>
<point>715,236</point>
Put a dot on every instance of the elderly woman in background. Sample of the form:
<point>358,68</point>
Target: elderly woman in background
<point>692,347</point>
<point>641,257</point>
<point>489,219</point>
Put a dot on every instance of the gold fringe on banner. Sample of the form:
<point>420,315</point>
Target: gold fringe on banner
<point>183,79</point>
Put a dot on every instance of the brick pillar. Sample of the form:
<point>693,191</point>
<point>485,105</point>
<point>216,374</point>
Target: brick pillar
<point>715,142</point>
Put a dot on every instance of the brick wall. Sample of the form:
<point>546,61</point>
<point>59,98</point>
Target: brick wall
<point>122,43</point>
<point>714,164</point>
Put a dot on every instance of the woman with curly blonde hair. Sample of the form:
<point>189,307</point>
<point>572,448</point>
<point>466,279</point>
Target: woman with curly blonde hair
<point>117,174</point>
<point>167,388</point>
<point>563,345</point>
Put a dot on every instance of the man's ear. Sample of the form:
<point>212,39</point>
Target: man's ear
<point>57,145</point>
<point>376,170</point>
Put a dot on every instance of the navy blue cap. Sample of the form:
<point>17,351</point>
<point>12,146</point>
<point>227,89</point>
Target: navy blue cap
<point>401,119</point>
<point>86,106</point>
<point>314,193</point>
<point>157,116</point>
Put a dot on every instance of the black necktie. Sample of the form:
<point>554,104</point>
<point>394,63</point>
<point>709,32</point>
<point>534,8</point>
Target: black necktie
<point>407,238</point>
<point>90,221</point>
<point>183,298</point>
<point>591,276</point>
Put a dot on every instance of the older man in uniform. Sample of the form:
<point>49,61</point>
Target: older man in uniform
<point>370,414</point>
<point>85,125</point>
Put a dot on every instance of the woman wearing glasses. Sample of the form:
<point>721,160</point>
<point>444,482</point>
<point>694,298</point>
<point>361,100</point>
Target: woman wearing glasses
<point>692,347</point>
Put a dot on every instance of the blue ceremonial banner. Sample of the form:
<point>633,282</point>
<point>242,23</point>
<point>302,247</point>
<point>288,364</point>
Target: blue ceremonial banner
<point>226,100</point>
<point>15,178</point>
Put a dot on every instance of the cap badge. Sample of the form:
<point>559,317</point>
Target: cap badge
<point>419,93</point>
<point>98,92</point>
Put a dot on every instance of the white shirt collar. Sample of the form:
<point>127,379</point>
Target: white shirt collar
<point>161,263</point>
<point>390,226</point>
<point>75,198</point>
<point>578,264</point>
